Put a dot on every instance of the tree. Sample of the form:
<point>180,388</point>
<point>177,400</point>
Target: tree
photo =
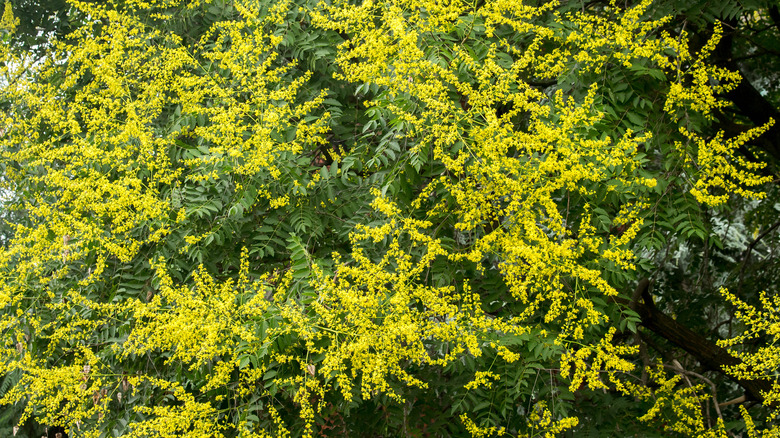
<point>297,218</point>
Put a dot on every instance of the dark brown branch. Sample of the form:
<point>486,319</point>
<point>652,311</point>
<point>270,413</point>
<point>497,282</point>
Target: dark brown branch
<point>708,353</point>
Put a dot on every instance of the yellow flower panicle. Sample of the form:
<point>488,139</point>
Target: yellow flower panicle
<point>764,362</point>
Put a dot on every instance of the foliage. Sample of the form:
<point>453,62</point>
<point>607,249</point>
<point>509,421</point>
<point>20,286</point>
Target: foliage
<point>299,218</point>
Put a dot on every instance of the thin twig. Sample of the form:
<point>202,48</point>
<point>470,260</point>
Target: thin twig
<point>678,368</point>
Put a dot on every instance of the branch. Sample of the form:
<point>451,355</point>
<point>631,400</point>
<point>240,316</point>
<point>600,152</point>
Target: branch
<point>709,354</point>
<point>740,399</point>
<point>677,366</point>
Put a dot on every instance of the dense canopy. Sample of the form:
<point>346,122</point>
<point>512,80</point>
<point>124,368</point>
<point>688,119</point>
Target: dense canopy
<point>397,218</point>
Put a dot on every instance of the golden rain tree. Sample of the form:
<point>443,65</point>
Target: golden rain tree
<point>399,218</point>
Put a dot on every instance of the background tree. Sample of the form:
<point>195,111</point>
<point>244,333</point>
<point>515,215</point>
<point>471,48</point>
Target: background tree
<point>242,217</point>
